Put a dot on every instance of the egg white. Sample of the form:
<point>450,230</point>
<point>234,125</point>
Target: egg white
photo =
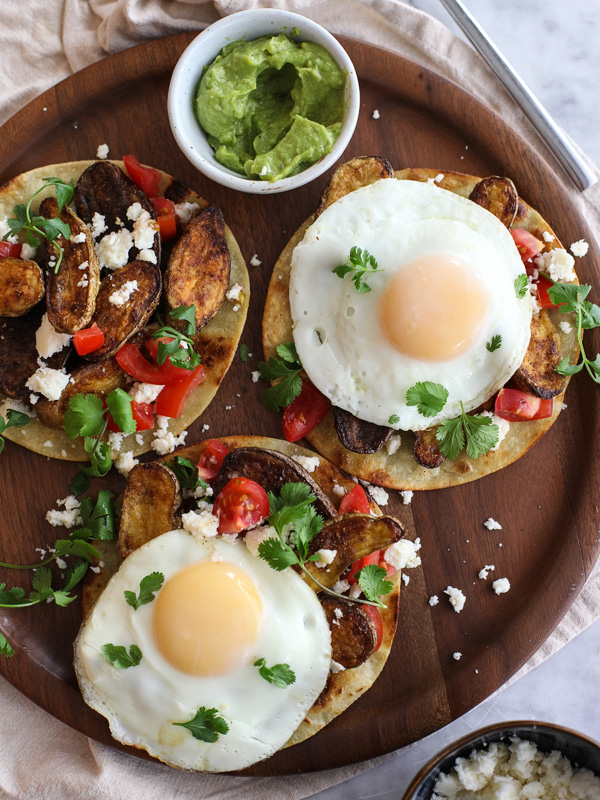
<point>142,702</point>
<point>337,331</point>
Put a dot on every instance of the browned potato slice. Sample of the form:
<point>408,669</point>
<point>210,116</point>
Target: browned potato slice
<point>352,536</point>
<point>357,435</point>
<point>427,450</point>
<point>499,196</point>
<point>119,323</point>
<point>150,505</point>
<point>353,175</point>
<point>198,271</point>
<point>21,286</point>
<point>70,293</point>
<point>103,188</point>
<point>99,379</point>
<point>537,373</point>
<point>271,470</point>
<point>19,355</point>
<point>353,635</point>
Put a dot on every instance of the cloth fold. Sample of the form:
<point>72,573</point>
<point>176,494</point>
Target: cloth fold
<point>39,756</point>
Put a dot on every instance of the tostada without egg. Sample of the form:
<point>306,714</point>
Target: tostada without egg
<point>251,608</point>
<point>412,323</point>
<point>117,283</point>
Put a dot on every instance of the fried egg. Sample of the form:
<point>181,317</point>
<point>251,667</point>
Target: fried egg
<point>219,610</point>
<point>446,287</point>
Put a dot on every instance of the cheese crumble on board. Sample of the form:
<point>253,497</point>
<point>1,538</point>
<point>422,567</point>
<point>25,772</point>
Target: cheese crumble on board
<point>492,525</point>
<point>456,597</point>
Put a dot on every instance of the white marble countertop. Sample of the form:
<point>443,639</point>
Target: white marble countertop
<point>553,45</point>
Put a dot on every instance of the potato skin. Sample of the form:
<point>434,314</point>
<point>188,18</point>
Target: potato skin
<point>120,323</point>
<point>70,293</point>
<point>537,373</point>
<point>353,635</point>
<point>427,449</point>
<point>353,175</point>
<point>21,286</point>
<point>150,504</point>
<point>199,266</point>
<point>358,435</point>
<point>499,196</point>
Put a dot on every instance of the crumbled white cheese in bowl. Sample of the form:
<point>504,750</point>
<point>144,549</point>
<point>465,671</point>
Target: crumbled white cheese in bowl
<point>512,761</point>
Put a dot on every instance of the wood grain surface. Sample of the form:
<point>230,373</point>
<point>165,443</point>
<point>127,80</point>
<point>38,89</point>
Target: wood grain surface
<point>547,502</point>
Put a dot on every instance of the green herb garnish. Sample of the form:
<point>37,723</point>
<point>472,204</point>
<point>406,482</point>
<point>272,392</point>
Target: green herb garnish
<point>5,648</point>
<point>521,285</point>
<point>279,674</point>
<point>571,299</point>
<point>14,419</point>
<point>494,343</point>
<point>206,725</point>
<point>148,587</point>
<point>372,580</point>
<point>180,350</point>
<point>362,264</point>
<point>244,352</point>
<point>475,431</point>
<point>393,419</point>
<point>288,368</point>
<point>118,656</point>
<point>429,397</point>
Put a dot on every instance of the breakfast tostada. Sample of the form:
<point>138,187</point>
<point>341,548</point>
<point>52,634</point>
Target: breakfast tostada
<point>123,295</point>
<point>413,327</point>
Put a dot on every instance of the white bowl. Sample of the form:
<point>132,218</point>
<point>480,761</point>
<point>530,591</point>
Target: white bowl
<point>204,49</point>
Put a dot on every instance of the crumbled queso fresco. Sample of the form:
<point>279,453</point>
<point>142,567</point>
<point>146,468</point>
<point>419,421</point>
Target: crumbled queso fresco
<point>516,771</point>
<point>310,463</point>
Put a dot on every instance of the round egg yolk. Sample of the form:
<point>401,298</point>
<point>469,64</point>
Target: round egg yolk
<point>207,618</point>
<point>434,308</point>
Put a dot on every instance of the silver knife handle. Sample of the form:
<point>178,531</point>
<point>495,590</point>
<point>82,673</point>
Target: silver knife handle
<point>555,138</point>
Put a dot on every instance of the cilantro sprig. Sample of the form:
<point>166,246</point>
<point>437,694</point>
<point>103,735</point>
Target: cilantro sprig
<point>394,418</point>
<point>37,228</point>
<point>372,580</point>
<point>118,656</point>
<point>494,344</point>
<point>296,523</point>
<point>206,725</point>
<point>14,419</point>
<point>521,285</point>
<point>42,590</point>
<point>180,348</point>
<point>149,585</point>
<point>572,299</point>
<point>475,432</point>
<point>429,397</point>
<point>279,674</point>
<point>362,264</point>
<point>186,473</point>
<point>288,368</point>
<point>5,648</point>
<point>244,352</point>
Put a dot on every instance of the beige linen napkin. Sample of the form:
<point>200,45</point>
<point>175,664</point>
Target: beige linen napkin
<point>39,756</point>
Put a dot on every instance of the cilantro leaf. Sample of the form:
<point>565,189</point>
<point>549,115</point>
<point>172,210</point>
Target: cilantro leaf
<point>572,298</point>
<point>276,554</point>
<point>451,437</point>
<point>429,397</point>
<point>84,416</point>
<point>178,347</point>
<point>566,368</point>
<point>64,191</point>
<point>79,484</point>
<point>11,597</point>
<point>42,584</point>
<point>118,656</point>
<point>372,580</point>
<point>76,547</point>
<point>475,431</point>
<point>305,529</point>
<point>494,343</point>
<point>521,285</point>
<point>188,315</point>
<point>293,500</point>
<point>186,473</point>
<point>279,674</point>
<point>5,648</point>
<point>244,352</point>
<point>100,518</point>
<point>569,296</point>
<point>362,264</point>
<point>119,405</point>
<point>206,725</point>
<point>62,598</point>
<point>148,586</point>
<point>289,353</point>
<point>394,419</point>
<point>288,368</point>
<point>100,459</point>
<point>16,419</point>
<point>590,315</point>
<point>74,576</point>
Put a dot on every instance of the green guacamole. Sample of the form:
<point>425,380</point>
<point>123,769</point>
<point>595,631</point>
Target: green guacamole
<point>271,107</point>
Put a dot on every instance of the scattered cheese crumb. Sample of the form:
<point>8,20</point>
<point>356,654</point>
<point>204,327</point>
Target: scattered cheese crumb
<point>202,523</point>
<point>393,444</point>
<point>379,494</point>
<point>547,236</point>
<point>565,326</point>
<point>256,536</point>
<point>98,226</point>
<point>83,265</point>
<point>33,398</point>
<point>403,554</point>
<point>501,586</point>
<point>185,211</point>
<point>115,440</point>
<point>61,563</point>
<point>579,248</point>
<point>145,392</point>
<point>102,151</point>
<point>376,114</point>
<point>205,428</point>
<point>68,518</point>
<point>48,443</point>
<point>79,238</point>
<point>326,557</point>
<point>338,613</point>
<point>48,341</point>
<point>434,600</point>
<point>457,656</point>
<point>126,462</point>
<point>113,249</point>
<point>456,597</point>
<point>335,667</point>
<point>255,261</point>
<point>255,376</point>
<point>405,579</point>
<point>407,496</point>
<point>338,490</point>
<point>310,463</point>
<point>164,441</point>
<point>49,382</point>
<point>139,439</point>
<point>492,525</point>
<point>558,264</point>
<point>234,293</point>
<point>147,255</point>
<point>120,296</point>
<point>355,591</point>
<point>28,253</point>
<point>341,587</point>
<point>483,573</point>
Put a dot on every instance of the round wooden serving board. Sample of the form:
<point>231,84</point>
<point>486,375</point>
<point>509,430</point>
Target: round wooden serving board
<point>547,502</point>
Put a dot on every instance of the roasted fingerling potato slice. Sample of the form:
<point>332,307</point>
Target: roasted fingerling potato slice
<point>353,634</point>
<point>427,449</point>
<point>118,320</point>
<point>352,536</point>
<point>358,435</point>
<point>70,292</point>
<point>150,504</point>
<point>537,374</point>
<point>499,196</point>
<point>21,286</point>
<point>353,175</point>
<point>99,379</point>
<point>199,266</point>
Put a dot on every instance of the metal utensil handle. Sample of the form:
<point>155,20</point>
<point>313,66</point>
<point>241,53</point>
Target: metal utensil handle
<point>554,137</point>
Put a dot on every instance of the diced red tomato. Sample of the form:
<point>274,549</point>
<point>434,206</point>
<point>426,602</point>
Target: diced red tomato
<point>172,372</point>
<point>143,415</point>
<point>241,504</point>
<point>373,612</point>
<point>88,340</point>
<point>171,401</point>
<point>146,178</point>
<point>167,218</point>
<point>543,284</point>
<point>527,244</point>
<point>304,413</point>
<point>133,362</point>
<point>546,408</point>
<point>9,250</point>
<point>355,502</point>
<point>516,406</point>
<point>372,558</point>
<point>211,459</point>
